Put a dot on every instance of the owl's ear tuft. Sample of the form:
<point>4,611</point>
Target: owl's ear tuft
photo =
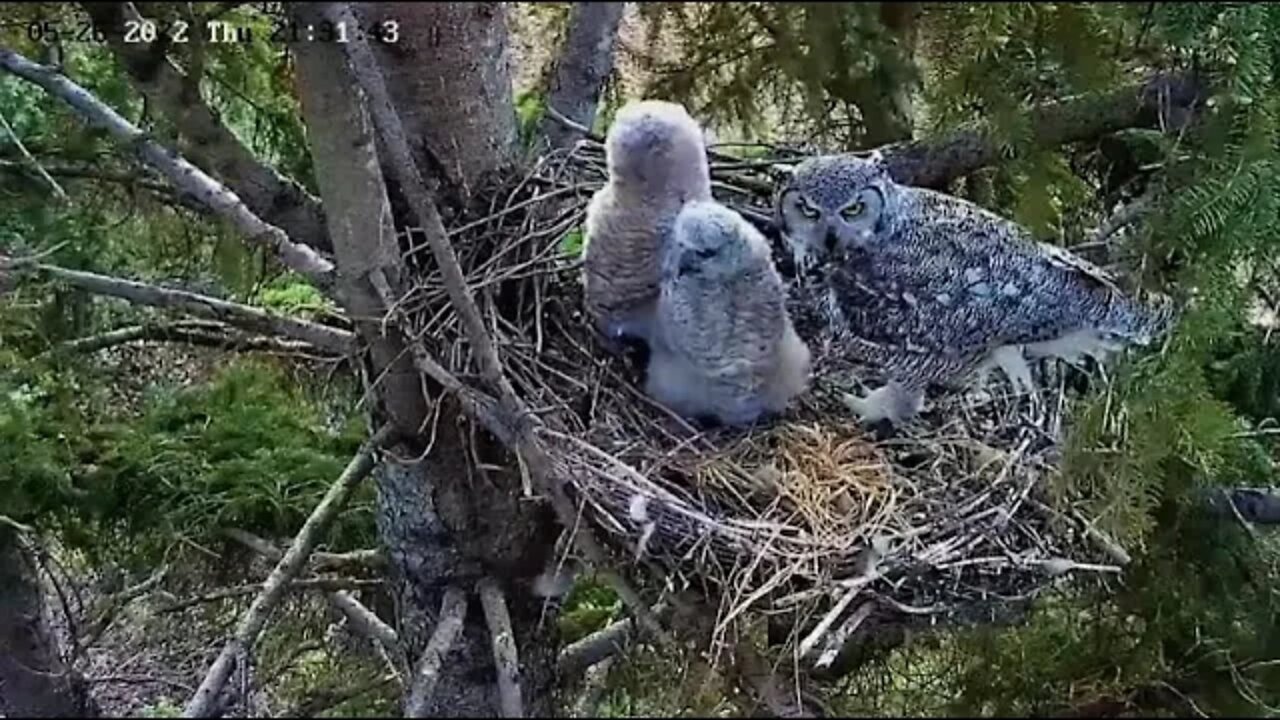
<point>877,160</point>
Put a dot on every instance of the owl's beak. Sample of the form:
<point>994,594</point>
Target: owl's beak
<point>689,263</point>
<point>831,240</point>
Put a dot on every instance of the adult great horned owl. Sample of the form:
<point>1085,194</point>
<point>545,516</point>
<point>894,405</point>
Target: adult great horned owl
<point>724,345</point>
<point>657,162</point>
<point>931,288</point>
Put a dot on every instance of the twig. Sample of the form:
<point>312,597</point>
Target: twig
<point>6,520</point>
<point>326,584</point>
<point>251,623</point>
<point>140,680</point>
<point>251,318</point>
<point>453,610</point>
<point>177,333</point>
<point>364,559</point>
<point>177,169</point>
<point>505,658</point>
<point>105,609</point>
<point>53,184</point>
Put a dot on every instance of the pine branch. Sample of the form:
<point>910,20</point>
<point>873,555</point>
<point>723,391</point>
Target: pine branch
<point>243,316</point>
<point>203,701</point>
<point>275,198</point>
<point>177,169</point>
<point>585,60</point>
<point>935,162</point>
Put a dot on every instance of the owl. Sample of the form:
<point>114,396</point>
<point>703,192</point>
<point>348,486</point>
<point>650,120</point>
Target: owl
<point>932,288</point>
<point>725,349</point>
<point>657,162</point>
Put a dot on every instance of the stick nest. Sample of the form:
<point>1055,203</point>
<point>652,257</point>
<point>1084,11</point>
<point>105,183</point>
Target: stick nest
<point>952,514</point>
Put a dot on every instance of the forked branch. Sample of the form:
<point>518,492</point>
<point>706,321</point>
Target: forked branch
<point>204,701</point>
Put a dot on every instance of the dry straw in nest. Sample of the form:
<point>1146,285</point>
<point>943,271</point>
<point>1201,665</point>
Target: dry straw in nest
<point>949,515</point>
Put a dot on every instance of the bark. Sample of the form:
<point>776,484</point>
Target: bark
<point>277,199</point>
<point>1164,100</point>
<point>585,60</point>
<point>443,522</point>
<point>449,75</point>
<point>34,682</point>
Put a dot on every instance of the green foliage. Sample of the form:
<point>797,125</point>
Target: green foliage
<point>248,451</point>
<point>830,70</point>
<point>291,296</point>
<point>589,607</point>
<point>571,243</point>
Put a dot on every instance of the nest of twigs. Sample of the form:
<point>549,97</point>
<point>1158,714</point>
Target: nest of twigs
<point>950,514</point>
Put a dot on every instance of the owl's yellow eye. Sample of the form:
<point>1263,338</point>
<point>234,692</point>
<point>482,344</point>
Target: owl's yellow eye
<point>810,212</point>
<point>853,210</point>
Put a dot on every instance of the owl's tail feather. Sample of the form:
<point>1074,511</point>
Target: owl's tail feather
<point>1141,321</point>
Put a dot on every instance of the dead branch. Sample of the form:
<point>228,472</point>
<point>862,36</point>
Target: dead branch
<point>326,584</point>
<point>244,316</point>
<point>585,60</point>
<point>453,610</point>
<point>365,622</point>
<point>521,420</point>
<point>602,644</point>
<point>106,608</point>
<point>82,172</point>
<point>179,333</point>
<point>354,560</point>
<point>273,197</point>
<point>254,619</point>
<point>594,685</point>
<point>505,658</point>
<point>58,192</point>
<point>177,169</point>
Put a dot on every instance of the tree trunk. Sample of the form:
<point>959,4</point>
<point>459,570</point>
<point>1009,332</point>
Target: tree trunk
<point>34,682</point>
<point>585,60</point>
<point>449,75</point>
<point>442,521</point>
